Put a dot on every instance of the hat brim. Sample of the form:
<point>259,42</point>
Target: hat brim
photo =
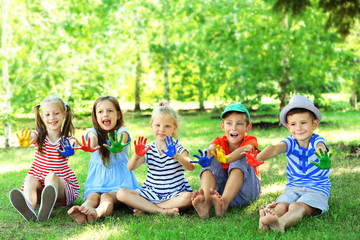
<point>287,108</point>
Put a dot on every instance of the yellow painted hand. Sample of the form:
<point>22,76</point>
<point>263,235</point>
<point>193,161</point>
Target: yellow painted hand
<point>219,154</point>
<point>24,138</point>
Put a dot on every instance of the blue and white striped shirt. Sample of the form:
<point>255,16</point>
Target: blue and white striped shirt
<point>165,176</point>
<point>302,173</point>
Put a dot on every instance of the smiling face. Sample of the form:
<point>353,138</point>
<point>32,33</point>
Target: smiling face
<point>163,125</point>
<point>235,127</point>
<point>53,115</point>
<point>301,126</point>
<point>106,115</point>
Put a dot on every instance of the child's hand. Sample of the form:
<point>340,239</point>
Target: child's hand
<point>68,150</point>
<point>250,157</point>
<point>171,147</point>
<point>86,147</point>
<point>324,160</point>
<point>140,147</point>
<point>24,138</point>
<point>219,154</point>
<point>116,146</point>
<point>204,161</point>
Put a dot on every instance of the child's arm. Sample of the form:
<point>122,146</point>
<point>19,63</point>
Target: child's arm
<point>240,152</point>
<point>184,160</point>
<point>271,151</point>
<point>135,161</point>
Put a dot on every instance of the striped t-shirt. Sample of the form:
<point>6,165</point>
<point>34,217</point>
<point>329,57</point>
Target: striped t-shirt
<point>165,176</point>
<point>302,173</point>
<point>52,161</point>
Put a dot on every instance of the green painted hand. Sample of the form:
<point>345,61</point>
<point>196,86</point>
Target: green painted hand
<point>116,146</point>
<point>324,160</point>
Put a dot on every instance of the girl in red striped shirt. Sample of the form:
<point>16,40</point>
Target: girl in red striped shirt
<point>50,180</point>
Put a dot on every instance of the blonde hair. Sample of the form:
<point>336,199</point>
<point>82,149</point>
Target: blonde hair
<point>163,108</point>
<point>67,129</point>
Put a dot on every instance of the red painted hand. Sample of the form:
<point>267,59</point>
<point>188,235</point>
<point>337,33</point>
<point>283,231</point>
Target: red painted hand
<point>140,146</point>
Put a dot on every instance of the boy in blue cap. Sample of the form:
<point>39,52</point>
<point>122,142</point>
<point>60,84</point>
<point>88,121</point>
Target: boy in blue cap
<point>307,191</point>
<point>229,181</point>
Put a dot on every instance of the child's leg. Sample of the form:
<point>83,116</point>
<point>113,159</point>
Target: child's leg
<point>92,201</point>
<point>295,214</point>
<point>134,200</point>
<point>201,200</point>
<point>232,187</point>
<point>105,207</point>
<point>32,190</point>
<point>182,201</point>
<point>59,185</point>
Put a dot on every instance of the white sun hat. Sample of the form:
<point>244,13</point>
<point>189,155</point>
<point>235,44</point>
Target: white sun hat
<point>299,101</point>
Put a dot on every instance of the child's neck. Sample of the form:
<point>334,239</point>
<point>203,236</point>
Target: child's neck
<point>160,145</point>
<point>53,135</point>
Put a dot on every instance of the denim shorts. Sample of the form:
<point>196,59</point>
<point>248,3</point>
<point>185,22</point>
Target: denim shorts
<point>250,189</point>
<point>311,197</point>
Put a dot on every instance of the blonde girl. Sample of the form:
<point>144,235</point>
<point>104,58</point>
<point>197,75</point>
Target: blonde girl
<point>165,190</point>
<point>50,180</point>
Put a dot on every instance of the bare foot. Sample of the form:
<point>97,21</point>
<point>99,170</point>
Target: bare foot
<point>273,221</point>
<point>90,213</point>
<point>218,203</point>
<point>200,204</point>
<point>138,212</point>
<point>171,211</point>
<point>271,206</point>
<point>262,226</point>
<point>76,214</point>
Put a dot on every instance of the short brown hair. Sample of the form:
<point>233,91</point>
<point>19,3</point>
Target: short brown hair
<point>300,110</point>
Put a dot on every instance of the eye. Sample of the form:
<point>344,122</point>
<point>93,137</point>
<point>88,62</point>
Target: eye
<point>99,111</point>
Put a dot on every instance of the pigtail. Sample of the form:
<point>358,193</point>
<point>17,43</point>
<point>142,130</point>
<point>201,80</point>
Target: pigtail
<point>68,128</point>
<point>40,128</point>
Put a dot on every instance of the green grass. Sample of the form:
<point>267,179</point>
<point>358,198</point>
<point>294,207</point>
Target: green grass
<point>340,129</point>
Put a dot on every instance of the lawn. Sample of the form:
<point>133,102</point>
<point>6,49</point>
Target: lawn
<point>340,129</point>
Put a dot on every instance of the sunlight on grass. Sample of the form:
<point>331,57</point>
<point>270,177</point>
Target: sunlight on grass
<point>341,171</point>
<point>12,168</point>
<point>340,135</point>
<point>273,188</point>
<point>101,232</point>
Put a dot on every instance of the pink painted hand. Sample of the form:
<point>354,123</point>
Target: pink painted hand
<point>219,154</point>
<point>251,158</point>
<point>24,138</point>
<point>140,146</point>
<point>86,146</point>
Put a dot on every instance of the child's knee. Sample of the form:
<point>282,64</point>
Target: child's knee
<point>122,193</point>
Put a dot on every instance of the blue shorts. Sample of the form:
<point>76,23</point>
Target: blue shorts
<point>250,189</point>
<point>310,197</point>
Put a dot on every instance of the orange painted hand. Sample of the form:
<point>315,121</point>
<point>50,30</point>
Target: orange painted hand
<point>219,154</point>
<point>24,138</point>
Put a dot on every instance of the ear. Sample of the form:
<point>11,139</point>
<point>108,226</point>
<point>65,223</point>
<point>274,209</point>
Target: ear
<point>248,127</point>
<point>222,126</point>
<point>315,123</point>
<point>118,115</point>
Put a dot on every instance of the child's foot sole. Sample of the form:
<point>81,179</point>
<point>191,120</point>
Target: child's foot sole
<point>20,203</point>
<point>48,199</point>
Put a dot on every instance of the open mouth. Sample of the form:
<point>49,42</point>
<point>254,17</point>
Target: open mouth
<point>106,123</point>
<point>234,135</point>
<point>53,123</point>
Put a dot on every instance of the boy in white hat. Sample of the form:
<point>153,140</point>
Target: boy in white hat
<point>229,181</point>
<point>307,191</point>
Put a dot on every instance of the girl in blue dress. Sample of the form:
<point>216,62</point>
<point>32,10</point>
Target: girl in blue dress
<point>165,190</point>
<point>107,168</point>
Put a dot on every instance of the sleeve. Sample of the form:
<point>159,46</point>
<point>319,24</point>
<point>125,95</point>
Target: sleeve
<point>180,149</point>
<point>250,140</point>
<point>318,140</point>
<point>124,129</point>
<point>289,144</point>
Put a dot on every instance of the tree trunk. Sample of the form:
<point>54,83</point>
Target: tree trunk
<point>201,88</point>
<point>166,68</point>
<point>5,72</point>
<point>137,83</point>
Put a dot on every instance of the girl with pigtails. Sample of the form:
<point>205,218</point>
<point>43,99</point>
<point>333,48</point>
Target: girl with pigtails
<point>50,181</point>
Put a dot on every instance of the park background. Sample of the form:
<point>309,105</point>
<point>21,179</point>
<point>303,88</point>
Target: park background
<point>201,56</point>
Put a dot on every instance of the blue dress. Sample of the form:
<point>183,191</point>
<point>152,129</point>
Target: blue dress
<point>101,179</point>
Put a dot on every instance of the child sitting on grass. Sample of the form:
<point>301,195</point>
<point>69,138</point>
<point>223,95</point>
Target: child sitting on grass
<point>229,181</point>
<point>307,192</point>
